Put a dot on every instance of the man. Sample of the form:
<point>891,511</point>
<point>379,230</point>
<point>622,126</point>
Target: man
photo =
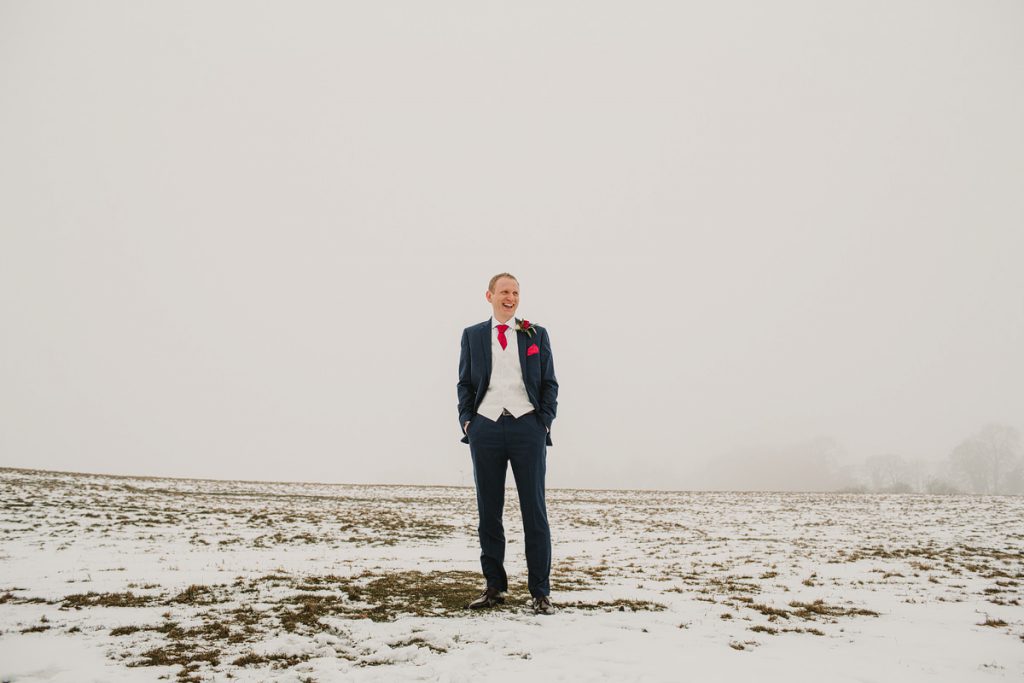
<point>507,399</point>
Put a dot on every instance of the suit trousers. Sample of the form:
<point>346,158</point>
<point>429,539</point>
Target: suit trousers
<point>493,446</point>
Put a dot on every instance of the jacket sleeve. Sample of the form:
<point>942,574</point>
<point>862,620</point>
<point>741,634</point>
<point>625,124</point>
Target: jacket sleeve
<point>548,382</point>
<point>467,392</point>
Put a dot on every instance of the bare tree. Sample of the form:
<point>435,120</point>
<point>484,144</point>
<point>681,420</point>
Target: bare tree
<point>990,459</point>
<point>887,472</point>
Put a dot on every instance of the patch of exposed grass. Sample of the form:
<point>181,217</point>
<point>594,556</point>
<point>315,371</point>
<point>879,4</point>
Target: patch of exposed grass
<point>616,605</point>
<point>277,660</point>
<point>93,599</point>
<point>15,600</point>
<point>772,613</point>
<point>420,642</point>
<point>818,608</point>
<point>319,583</point>
<point>417,593</point>
<point>247,616</point>
<point>197,595</point>
<point>126,630</point>
<point>186,655</point>
<point>772,631</point>
<point>378,525</point>
<point>307,610</point>
<point>381,597</point>
<point>248,659</point>
<point>732,584</point>
<point>579,578</point>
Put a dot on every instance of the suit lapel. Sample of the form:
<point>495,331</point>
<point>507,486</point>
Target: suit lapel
<point>522,342</point>
<point>485,339</point>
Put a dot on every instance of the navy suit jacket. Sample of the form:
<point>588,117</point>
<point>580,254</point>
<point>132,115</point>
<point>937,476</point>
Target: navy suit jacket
<point>475,373</point>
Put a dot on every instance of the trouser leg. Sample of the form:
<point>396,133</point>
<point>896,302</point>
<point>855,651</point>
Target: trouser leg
<point>528,456</point>
<point>490,463</point>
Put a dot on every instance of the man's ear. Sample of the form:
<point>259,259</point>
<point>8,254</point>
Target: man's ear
<point>488,294</point>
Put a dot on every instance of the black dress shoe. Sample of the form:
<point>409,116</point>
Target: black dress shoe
<point>489,598</point>
<point>542,605</point>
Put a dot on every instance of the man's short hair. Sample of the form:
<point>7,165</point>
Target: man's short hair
<point>494,280</point>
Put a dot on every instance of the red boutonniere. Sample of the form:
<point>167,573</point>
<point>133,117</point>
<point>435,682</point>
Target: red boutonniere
<point>525,326</point>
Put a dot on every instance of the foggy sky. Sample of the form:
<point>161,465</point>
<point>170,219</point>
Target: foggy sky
<point>242,239</point>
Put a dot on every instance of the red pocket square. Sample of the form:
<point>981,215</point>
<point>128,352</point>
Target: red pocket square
<point>532,350</point>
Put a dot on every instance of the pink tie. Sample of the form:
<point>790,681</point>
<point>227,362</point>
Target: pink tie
<point>501,336</point>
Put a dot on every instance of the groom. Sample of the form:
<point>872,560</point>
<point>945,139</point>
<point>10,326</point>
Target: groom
<point>507,401</point>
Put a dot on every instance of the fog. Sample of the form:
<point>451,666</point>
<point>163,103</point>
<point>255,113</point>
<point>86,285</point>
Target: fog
<point>770,241</point>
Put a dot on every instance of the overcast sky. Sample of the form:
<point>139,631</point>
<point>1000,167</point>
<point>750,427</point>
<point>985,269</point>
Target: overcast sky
<point>242,239</point>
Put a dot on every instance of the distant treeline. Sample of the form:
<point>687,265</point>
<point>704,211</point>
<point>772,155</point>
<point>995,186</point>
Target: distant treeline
<point>991,461</point>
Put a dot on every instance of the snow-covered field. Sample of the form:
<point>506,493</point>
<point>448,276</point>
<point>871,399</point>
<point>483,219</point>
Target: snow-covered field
<point>133,579</point>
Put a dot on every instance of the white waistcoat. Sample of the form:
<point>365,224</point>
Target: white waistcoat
<point>506,388</point>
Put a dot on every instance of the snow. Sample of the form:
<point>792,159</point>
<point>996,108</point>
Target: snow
<point>110,578</point>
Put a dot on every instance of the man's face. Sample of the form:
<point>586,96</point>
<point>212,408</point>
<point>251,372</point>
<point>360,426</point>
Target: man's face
<point>504,299</point>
